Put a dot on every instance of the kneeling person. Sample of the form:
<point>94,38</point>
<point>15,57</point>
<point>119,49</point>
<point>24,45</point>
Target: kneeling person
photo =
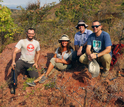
<point>30,50</point>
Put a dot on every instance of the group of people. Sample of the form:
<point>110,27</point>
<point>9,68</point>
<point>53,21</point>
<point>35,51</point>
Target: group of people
<point>88,46</point>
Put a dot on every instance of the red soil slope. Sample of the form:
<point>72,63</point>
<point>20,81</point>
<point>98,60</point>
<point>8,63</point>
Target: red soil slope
<point>71,88</point>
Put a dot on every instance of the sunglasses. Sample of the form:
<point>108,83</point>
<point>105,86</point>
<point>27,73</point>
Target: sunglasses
<point>96,26</point>
<point>30,33</point>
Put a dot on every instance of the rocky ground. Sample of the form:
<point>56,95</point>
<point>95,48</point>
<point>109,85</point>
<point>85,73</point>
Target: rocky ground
<point>71,88</point>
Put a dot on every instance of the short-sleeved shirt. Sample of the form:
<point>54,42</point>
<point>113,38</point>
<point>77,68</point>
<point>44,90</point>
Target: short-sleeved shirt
<point>65,54</point>
<point>28,49</point>
<point>99,43</point>
<point>80,38</point>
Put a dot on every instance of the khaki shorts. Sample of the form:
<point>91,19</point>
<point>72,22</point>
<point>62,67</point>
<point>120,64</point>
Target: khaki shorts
<point>60,66</point>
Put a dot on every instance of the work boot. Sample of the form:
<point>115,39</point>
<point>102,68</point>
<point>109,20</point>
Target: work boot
<point>104,74</point>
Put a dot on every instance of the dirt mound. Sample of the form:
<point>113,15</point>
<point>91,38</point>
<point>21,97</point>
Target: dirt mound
<point>71,88</point>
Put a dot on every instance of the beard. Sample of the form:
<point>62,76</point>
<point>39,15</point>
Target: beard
<point>30,38</point>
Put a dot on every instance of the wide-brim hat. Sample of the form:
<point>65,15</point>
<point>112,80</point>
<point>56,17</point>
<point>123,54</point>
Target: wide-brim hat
<point>81,23</point>
<point>64,37</point>
<point>94,68</point>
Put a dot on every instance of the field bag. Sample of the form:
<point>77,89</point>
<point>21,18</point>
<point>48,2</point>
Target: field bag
<point>116,52</point>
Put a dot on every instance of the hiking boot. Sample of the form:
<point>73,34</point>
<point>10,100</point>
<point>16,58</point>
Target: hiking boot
<point>43,79</point>
<point>31,84</point>
<point>104,74</point>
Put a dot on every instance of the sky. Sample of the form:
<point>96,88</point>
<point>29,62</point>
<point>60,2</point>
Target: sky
<point>14,3</point>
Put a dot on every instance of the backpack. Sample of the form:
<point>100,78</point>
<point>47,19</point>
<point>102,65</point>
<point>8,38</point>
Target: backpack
<point>116,52</point>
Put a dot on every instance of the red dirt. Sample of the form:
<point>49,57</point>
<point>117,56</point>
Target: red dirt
<point>71,88</point>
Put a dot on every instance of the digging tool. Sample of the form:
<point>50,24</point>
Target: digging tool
<point>14,80</point>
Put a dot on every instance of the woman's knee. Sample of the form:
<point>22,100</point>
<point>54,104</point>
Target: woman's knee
<point>53,61</point>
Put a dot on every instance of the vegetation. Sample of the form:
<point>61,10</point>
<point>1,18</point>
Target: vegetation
<point>78,9</point>
<point>50,85</point>
<point>25,83</point>
<point>7,26</point>
<point>51,20</point>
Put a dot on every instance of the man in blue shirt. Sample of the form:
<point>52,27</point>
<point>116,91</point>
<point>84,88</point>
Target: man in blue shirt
<point>99,48</point>
<point>80,40</point>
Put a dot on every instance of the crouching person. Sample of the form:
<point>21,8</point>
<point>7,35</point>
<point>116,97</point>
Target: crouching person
<point>100,43</point>
<point>30,50</point>
<point>80,40</point>
<point>60,60</point>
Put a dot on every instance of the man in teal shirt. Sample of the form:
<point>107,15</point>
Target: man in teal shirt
<point>99,48</point>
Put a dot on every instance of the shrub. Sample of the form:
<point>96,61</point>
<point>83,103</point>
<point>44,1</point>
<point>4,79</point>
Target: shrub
<point>7,26</point>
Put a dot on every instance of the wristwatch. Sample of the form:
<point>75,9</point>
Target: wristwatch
<point>96,55</point>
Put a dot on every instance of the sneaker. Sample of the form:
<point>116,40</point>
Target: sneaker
<point>43,79</point>
<point>31,84</point>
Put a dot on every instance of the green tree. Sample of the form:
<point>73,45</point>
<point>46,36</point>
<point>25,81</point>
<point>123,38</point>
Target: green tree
<point>78,9</point>
<point>7,26</point>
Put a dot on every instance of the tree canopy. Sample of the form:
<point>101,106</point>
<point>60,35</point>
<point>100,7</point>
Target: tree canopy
<point>7,26</point>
